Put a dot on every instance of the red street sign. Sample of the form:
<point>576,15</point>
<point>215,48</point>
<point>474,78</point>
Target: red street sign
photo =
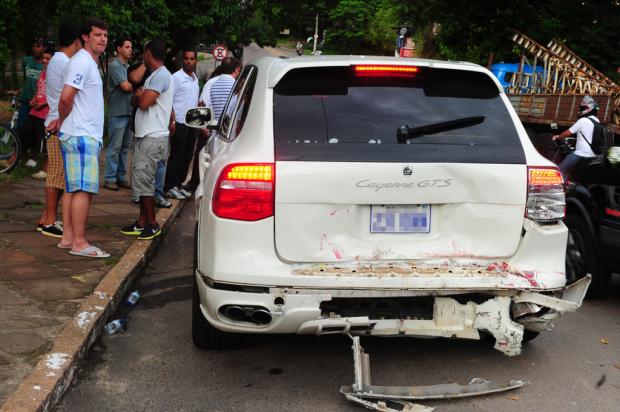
<point>220,52</point>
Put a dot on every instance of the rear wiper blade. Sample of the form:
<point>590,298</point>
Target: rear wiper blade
<point>405,132</point>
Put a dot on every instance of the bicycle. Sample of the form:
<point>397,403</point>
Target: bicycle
<point>10,143</point>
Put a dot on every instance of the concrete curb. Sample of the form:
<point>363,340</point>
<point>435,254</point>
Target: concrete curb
<point>52,376</point>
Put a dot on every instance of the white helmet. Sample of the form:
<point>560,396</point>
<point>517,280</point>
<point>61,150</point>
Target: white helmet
<point>587,107</point>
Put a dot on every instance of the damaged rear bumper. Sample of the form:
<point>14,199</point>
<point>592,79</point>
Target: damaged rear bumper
<point>491,316</point>
<point>504,314</point>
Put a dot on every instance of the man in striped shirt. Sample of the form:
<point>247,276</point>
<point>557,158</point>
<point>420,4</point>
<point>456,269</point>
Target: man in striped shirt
<point>230,69</point>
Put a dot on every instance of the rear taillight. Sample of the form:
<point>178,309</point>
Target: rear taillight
<point>545,194</point>
<point>245,192</point>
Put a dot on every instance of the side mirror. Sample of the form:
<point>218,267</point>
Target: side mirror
<point>199,118</point>
<point>554,126</point>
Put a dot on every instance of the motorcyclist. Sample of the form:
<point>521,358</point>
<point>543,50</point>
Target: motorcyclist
<point>584,129</point>
<point>299,48</point>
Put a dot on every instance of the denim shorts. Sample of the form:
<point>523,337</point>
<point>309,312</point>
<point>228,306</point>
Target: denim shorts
<point>80,155</point>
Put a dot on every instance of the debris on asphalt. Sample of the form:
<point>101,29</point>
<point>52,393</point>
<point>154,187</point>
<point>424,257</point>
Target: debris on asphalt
<point>133,298</point>
<point>512,397</point>
<point>385,398</point>
<point>604,341</point>
<point>116,326</point>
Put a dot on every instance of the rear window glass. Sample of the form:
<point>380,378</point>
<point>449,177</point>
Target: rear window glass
<point>332,114</point>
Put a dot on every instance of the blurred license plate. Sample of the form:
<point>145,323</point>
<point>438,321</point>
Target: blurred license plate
<point>400,218</point>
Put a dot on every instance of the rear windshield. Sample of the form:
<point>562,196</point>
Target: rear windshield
<point>432,115</point>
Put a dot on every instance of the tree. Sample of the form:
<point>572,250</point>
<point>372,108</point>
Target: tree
<point>8,8</point>
<point>351,19</point>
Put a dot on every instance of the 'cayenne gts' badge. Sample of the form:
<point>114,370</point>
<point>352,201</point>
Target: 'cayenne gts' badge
<point>407,171</point>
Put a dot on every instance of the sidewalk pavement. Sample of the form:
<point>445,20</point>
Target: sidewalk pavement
<point>42,287</point>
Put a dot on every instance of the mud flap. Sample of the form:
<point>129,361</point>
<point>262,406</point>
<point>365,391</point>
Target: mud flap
<point>394,398</point>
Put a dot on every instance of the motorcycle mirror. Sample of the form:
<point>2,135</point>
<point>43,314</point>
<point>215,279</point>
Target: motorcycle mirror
<point>199,117</point>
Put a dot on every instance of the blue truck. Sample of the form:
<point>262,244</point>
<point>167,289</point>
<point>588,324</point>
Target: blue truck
<point>506,71</point>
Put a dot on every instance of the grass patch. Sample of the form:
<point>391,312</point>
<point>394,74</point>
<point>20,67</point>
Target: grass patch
<point>105,226</point>
<point>112,260</point>
<point>17,174</point>
<point>3,216</point>
<point>34,205</point>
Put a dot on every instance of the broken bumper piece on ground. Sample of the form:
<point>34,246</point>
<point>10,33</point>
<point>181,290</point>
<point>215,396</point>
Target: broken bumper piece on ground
<point>396,398</point>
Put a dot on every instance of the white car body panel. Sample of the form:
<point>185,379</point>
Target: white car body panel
<point>324,215</point>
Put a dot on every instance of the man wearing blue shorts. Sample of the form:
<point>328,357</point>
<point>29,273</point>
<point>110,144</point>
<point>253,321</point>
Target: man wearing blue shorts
<point>81,136</point>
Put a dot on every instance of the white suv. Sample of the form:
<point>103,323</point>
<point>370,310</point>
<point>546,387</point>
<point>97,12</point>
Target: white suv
<point>377,196</point>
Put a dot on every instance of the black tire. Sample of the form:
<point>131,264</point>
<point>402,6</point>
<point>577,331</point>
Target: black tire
<point>204,335</point>
<point>10,149</point>
<point>529,335</point>
<point>581,257</point>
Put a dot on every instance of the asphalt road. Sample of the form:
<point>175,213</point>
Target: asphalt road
<point>154,366</point>
<point>253,51</point>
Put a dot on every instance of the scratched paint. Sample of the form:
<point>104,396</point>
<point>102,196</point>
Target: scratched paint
<point>530,277</point>
<point>322,241</point>
<point>335,212</point>
<point>337,253</point>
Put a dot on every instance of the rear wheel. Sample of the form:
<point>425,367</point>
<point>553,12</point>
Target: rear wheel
<point>529,335</point>
<point>581,257</point>
<point>10,149</point>
<point>204,335</point>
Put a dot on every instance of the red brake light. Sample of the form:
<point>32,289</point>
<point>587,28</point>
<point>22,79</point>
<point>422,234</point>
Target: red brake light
<point>245,192</point>
<point>546,201</point>
<point>384,70</point>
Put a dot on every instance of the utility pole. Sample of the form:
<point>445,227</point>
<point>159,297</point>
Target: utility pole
<point>316,33</point>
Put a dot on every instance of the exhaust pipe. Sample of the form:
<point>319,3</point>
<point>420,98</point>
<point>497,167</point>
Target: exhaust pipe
<point>235,312</point>
<point>257,315</point>
<point>261,316</point>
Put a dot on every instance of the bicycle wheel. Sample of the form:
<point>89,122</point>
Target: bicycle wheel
<point>10,149</point>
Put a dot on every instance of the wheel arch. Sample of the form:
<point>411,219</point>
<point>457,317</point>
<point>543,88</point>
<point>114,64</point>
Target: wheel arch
<point>583,209</point>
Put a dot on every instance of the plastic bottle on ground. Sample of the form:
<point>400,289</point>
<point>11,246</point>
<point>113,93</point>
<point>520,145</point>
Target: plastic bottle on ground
<point>133,298</point>
<point>115,326</point>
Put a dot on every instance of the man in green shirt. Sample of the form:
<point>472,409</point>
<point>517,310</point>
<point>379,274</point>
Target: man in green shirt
<point>119,125</point>
<point>32,66</point>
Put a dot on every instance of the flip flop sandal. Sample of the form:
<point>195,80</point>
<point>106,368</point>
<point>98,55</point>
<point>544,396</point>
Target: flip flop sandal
<point>87,252</point>
<point>59,246</point>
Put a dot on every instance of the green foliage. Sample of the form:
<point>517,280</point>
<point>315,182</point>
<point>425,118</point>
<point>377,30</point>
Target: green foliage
<point>351,19</point>
<point>473,29</point>
<point>469,30</point>
<point>7,10</point>
<point>380,34</point>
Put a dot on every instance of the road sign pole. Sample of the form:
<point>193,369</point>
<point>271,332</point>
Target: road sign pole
<point>316,33</point>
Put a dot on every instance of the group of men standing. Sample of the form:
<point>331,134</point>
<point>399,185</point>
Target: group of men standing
<point>147,107</point>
